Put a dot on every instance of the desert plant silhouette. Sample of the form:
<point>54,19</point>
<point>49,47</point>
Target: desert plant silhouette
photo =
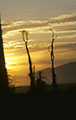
<point>3,70</point>
<point>54,84</point>
<point>31,74</point>
<point>40,85</point>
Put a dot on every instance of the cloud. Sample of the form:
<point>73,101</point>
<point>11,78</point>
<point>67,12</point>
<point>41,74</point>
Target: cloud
<point>18,25</point>
<point>18,64</point>
<point>38,26</point>
<point>65,18</point>
<point>39,34</point>
<point>65,45</point>
<point>13,44</point>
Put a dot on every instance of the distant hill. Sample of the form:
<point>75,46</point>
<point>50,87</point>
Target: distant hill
<point>64,74</point>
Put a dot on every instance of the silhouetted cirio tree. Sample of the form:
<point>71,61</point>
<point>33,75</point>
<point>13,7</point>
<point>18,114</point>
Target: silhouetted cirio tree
<point>31,74</point>
<point>54,84</point>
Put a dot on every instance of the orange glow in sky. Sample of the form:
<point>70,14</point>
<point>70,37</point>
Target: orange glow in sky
<point>37,18</point>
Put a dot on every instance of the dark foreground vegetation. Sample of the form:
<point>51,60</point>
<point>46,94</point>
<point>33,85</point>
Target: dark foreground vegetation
<point>38,105</point>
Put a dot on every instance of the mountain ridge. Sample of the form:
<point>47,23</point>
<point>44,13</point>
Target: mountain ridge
<point>64,74</point>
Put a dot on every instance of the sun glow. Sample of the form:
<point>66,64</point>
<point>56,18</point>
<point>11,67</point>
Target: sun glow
<point>10,61</point>
<point>8,65</point>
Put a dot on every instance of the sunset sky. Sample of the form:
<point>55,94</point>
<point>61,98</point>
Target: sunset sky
<point>37,16</point>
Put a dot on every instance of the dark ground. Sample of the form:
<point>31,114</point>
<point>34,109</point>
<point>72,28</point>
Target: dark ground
<point>36,106</point>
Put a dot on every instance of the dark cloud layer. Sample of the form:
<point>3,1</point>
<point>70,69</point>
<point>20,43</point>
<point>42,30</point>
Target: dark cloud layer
<point>39,23</point>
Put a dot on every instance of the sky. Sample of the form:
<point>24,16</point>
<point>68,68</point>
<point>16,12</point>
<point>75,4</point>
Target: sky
<point>37,16</point>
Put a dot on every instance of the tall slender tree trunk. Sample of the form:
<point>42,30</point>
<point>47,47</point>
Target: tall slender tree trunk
<point>54,84</point>
<point>30,68</point>
<point>3,70</point>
